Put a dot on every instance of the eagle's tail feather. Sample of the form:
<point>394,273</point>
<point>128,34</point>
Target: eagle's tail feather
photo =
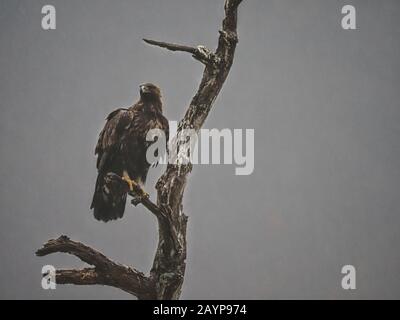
<point>109,198</point>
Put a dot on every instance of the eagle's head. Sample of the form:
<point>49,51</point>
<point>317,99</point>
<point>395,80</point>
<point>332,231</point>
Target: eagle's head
<point>150,92</point>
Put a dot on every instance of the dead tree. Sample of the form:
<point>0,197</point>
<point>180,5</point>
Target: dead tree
<point>167,274</point>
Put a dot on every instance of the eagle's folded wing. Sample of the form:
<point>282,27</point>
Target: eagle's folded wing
<point>112,134</point>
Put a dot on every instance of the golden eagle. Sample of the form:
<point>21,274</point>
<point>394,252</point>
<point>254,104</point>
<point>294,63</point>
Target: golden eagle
<point>121,150</point>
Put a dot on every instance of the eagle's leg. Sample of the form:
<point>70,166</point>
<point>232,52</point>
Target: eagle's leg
<point>133,185</point>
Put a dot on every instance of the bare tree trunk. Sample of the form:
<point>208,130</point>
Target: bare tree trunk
<point>168,270</point>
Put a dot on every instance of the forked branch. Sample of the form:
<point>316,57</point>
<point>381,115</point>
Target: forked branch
<point>105,271</point>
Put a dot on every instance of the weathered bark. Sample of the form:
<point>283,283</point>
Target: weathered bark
<point>105,271</point>
<point>167,273</point>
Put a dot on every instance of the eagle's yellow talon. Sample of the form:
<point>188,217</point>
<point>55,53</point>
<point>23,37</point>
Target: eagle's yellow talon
<point>134,185</point>
<point>130,182</point>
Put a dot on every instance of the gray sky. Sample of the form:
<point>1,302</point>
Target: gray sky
<point>324,103</point>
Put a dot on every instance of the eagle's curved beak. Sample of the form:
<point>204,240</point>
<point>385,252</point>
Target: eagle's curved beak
<point>144,89</point>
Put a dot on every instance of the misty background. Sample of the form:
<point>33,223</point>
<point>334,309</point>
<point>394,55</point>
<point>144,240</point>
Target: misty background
<point>324,103</point>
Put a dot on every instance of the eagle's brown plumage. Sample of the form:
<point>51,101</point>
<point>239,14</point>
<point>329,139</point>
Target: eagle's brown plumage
<point>122,147</point>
